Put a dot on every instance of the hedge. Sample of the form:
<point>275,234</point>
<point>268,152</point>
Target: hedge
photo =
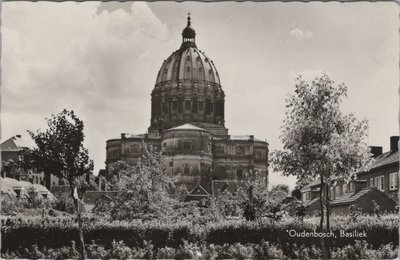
<point>55,233</point>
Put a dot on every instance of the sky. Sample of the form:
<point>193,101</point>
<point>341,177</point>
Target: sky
<point>102,59</point>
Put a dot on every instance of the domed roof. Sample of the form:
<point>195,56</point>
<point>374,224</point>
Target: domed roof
<point>188,62</point>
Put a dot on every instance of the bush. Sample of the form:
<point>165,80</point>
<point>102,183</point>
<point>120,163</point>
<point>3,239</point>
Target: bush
<point>60,231</point>
<point>262,250</point>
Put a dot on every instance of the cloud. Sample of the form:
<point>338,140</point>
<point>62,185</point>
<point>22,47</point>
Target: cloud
<point>301,34</point>
<point>78,58</point>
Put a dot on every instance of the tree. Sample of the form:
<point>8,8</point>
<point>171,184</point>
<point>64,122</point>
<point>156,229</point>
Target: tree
<point>145,191</point>
<point>59,151</point>
<point>319,141</point>
<point>254,196</point>
<point>296,192</point>
<point>280,187</point>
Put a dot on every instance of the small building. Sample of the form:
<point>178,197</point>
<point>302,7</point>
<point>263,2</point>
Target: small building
<point>343,195</point>
<point>380,184</point>
<point>384,171</point>
<point>11,156</point>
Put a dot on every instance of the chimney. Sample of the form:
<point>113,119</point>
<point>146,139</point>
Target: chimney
<point>394,140</point>
<point>376,150</point>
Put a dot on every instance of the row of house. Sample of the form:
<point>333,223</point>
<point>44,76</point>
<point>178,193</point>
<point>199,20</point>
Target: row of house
<point>379,184</point>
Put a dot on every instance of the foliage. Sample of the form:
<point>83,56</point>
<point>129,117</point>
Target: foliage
<point>319,141</point>
<point>15,169</point>
<point>260,250</point>
<point>59,151</point>
<point>64,203</point>
<point>144,190</point>
<point>280,187</point>
<point>317,137</point>
<point>253,195</point>
<point>58,232</point>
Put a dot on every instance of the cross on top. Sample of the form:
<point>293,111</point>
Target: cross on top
<point>188,19</point>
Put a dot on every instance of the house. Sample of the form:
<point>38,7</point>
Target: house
<point>384,171</point>
<point>380,184</point>
<point>11,156</point>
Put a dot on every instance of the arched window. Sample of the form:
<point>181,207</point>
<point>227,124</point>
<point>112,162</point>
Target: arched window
<point>239,174</point>
<point>186,170</point>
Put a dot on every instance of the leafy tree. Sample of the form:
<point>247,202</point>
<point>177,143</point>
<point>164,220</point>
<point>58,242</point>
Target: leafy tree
<point>296,193</point>
<point>280,187</point>
<point>254,196</point>
<point>15,169</point>
<point>59,151</point>
<point>319,141</point>
<point>145,191</point>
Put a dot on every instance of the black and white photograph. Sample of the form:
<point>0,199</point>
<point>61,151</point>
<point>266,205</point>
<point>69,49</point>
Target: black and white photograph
<point>199,130</point>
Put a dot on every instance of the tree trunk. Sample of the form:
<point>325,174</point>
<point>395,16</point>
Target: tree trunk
<point>321,223</point>
<point>321,204</point>
<point>78,205</point>
<point>327,208</point>
<point>327,219</point>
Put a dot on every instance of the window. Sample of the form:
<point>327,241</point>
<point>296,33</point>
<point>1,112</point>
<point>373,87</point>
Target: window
<point>187,145</point>
<point>338,192</point>
<point>186,170</point>
<point>344,188</point>
<point>171,164</point>
<point>201,105</point>
<point>380,182</point>
<point>239,174</point>
<point>371,182</point>
<point>174,105</point>
<point>133,148</point>
<point>240,150</point>
<point>351,186</point>
<point>332,193</point>
<point>393,181</point>
<point>258,155</point>
<point>165,107</point>
<point>187,105</point>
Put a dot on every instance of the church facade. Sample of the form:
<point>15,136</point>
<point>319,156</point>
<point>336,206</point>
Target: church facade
<point>187,122</point>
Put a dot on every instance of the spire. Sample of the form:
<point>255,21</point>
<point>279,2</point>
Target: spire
<point>188,35</point>
<point>188,20</point>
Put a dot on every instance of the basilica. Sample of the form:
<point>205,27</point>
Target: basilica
<point>187,122</point>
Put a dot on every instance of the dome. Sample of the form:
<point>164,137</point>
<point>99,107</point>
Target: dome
<point>187,89</point>
<point>188,64</point>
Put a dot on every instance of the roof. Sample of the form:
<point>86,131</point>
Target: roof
<point>348,198</point>
<point>187,127</point>
<point>15,143</point>
<point>385,159</point>
<point>310,202</point>
<point>219,186</point>
<point>279,196</point>
<point>310,185</point>
<point>90,197</point>
<point>9,184</point>
<point>188,63</point>
<point>199,190</point>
